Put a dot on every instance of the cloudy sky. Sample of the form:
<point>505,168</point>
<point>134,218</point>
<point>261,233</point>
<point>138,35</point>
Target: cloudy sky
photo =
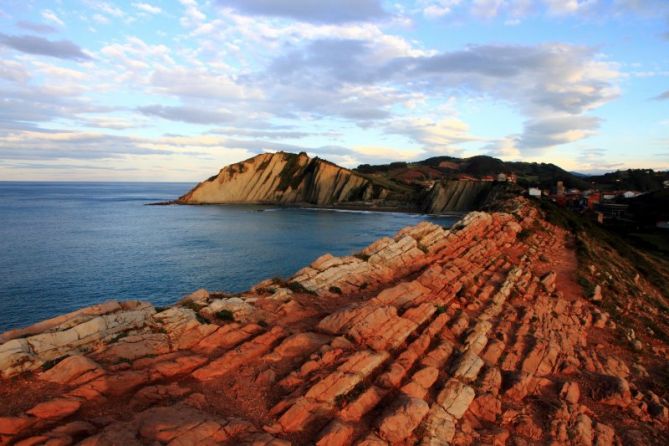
<point>173,90</point>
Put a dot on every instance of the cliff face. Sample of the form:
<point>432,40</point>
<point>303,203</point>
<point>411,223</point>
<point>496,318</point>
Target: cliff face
<point>285,178</point>
<point>476,334</point>
<point>457,196</point>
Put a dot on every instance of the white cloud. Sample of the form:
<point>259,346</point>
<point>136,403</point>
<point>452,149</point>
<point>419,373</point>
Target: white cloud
<point>562,7</point>
<point>51,16</point>
<point>13,71</point>
<point>105,8</point>
<point>549,131</point>
<point>99,18</point>
<point>486,9</point>
<point>193,16</point>
<point>444,135</point>
<point>147,8</point>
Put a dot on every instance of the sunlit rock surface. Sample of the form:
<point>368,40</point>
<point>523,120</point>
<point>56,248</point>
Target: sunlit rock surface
<point>475,335</point>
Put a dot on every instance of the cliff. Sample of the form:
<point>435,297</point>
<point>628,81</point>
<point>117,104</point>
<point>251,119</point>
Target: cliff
<point>457,196</point>
<point>487,333</point>
<point>286,178</point>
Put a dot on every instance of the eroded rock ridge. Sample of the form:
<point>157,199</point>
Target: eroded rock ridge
<point>478,334</point>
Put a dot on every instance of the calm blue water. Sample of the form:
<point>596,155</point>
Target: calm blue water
<point>68,245</point>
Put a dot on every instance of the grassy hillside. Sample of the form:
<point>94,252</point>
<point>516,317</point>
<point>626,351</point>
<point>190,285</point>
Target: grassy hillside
<point>447,167</point>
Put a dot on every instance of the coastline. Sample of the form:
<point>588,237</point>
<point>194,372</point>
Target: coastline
<point>345,207</point>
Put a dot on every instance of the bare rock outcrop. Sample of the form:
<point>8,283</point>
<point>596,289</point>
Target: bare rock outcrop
<point>286,178</point>
<point>433,337</point>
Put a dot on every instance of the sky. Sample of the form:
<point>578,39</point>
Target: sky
<point>174,90</point>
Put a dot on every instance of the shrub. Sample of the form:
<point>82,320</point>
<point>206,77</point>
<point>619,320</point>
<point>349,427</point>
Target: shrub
<point>296,287</point>
<point>361,256</point>
<point>524,234</point>
<point>51,363</point>
<point>118,337</point>
<point>588,287</point>
<point>225,315</point>
<point>191,305</point>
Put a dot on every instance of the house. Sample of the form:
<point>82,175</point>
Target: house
<point>501,177</point>
<point>534,192</point>
<point>631,194</point>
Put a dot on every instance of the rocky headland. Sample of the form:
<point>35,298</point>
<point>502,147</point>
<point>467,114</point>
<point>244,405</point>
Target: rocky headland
<point>504,329</point>
<point>296,179</point>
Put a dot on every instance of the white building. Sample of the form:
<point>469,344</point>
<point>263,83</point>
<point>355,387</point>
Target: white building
<point>534,192</point>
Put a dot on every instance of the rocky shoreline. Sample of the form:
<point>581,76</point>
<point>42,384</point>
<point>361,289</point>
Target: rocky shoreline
<point>479,334</point>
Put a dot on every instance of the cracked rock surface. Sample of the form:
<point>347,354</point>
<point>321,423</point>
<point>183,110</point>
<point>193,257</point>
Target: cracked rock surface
<point>479,334</point>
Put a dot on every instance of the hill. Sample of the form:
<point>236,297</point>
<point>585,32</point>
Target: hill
<point>434,185</point>
<point>296,179</point>
<point>287,178</point>
<point>449,168</point>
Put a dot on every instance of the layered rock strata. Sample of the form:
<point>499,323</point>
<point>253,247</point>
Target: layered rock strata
<point>474,335</point>
<point>286,178</point>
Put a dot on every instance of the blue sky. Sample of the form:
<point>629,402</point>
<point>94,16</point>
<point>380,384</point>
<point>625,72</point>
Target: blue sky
<point>173,90</point>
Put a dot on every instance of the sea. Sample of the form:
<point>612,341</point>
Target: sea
<point>64,246</point>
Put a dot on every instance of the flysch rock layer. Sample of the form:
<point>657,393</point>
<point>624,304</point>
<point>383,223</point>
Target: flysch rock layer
<point>473,335</point>
<point>287,179</point>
